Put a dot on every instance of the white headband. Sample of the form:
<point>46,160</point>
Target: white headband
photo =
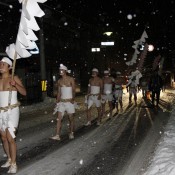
<point>106,72</point>
<point>94,70</point>
<point>118,73</point>
<point>63,67</point>
<point>7,60</point>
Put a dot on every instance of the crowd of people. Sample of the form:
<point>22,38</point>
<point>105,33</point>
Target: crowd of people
<point>100,91</point>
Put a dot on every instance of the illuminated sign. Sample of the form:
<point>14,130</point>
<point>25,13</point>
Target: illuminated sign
<point>111,43</point>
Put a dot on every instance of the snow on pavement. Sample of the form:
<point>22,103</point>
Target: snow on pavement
<point>163,162</point>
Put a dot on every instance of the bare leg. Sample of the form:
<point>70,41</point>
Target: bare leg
<point>89,114</point>
<point>71,123</point>
<point>110,107</point>
<point>135,98</point>
<point>58,129</point>
<point>5,144</point>
<point>12,147</point>
<point>99,113</point>
<point>117,106</point>
<point>130,97</point>
<point>121,104</point>
<point>103,109</point>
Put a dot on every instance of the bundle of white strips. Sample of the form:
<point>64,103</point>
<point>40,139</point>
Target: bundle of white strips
<point>26,37</point>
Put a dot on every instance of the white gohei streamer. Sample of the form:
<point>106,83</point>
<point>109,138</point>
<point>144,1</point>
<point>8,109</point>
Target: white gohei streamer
<point>135,46</point>
<point>26,37</point>
<point>25,40</point>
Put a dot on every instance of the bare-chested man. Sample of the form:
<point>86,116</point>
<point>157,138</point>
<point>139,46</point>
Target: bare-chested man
<point>9,112</point>
<point>94,96</point>
<point>107,92</point>
<point>144,86</point>
<point>133,90</point>
<point>65,101</point>
<point>118,91</point>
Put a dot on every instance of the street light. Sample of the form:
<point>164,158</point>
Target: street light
<point>150,48</point>
<point>111,43</point>
<point>108,33</point>
<point>95,49</point>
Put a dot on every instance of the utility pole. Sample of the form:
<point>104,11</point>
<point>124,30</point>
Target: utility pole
<point>42,62</point>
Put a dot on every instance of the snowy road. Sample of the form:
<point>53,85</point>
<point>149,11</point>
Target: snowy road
<point>119,146</point>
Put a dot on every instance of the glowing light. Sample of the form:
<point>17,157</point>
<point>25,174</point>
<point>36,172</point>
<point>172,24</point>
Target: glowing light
<point>150,48</point>
<point>95,49</point>
<point>129,16</point>
<point>107,43</point>
<point>108,33</point>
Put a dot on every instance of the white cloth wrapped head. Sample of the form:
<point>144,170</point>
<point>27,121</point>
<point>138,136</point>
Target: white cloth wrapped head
<point>95,70</point>
<point>63,67</point>
<point>6,60</point>
<point>106,72</point>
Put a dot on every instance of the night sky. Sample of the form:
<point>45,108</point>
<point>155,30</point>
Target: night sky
<point>72,27</point>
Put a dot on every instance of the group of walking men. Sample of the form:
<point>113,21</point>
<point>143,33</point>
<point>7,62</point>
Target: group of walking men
<point>100,91</point>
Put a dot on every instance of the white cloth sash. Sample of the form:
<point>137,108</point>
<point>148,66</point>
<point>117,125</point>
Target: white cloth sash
<point>95,90</point>
<point>66,92</point>
<point>4,97</point>
<point>107,88</point>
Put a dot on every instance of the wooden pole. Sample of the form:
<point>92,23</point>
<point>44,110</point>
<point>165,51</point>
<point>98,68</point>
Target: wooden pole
<point>13,73</point>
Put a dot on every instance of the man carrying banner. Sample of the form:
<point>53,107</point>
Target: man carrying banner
<point>9,111</point>
<point>65,101</point>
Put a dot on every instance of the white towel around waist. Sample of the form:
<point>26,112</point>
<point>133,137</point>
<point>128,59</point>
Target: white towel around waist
<point>107,88</point>
<point>4,97</point>
<point>95,90</point>
<point>66,92</point>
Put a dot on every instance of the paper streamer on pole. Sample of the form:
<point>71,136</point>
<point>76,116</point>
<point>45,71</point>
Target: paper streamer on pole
<point>142,57</point>
<point>26,38</point>
<point>156,62</point>
<point>161,65</point>
<point>135,46</point>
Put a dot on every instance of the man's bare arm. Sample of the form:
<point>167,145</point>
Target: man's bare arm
<point>17,83</point>
<point>101,86</point>
<point>58,92</point>
<point>73,87</point>
<point>89,87</point>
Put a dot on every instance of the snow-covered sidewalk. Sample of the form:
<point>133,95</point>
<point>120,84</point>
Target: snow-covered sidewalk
<point>163,162</point>
<point>48,102</point>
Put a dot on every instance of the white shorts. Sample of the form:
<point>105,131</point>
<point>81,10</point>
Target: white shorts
<point>93,99</point>
<point>10,120</point>
<point>65,107</point>
<point>107,97</point>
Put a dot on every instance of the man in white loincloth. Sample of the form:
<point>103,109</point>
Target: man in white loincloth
<point>144,86</point>
<point>9,111</point>
<point>107,92</point>
<point>65,101</point>
<point>118,91</point>
<point>133,90</point>
<point>94,96</point>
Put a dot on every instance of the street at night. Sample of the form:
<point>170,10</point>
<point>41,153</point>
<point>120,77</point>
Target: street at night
<point>119,146</point>
<point>87,87</point>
